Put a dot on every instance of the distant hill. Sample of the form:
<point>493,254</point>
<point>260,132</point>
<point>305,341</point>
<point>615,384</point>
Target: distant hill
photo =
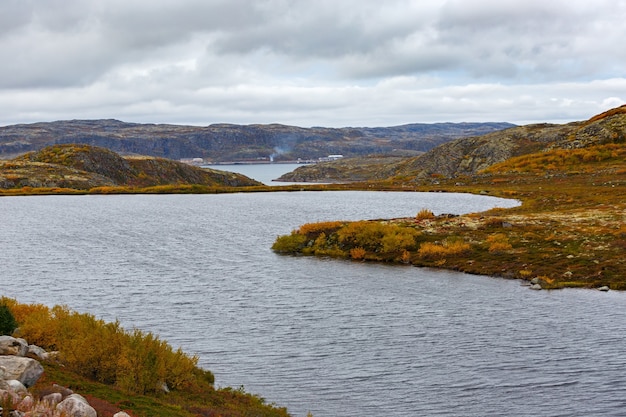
<point>83,167</point>
<point>468,156</point>
<point>227,142</point>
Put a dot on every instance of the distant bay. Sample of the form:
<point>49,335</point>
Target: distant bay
<point>265,173</point>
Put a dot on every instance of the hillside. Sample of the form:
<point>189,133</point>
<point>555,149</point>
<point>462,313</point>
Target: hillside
<point>227,142</point>
<point>467,156</point>
<point>83,167</point>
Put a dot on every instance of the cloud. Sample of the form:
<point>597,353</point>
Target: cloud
<point>310,63</point>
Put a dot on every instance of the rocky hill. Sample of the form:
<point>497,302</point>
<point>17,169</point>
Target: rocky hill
<point>227,142</point>
<point>467,156</point>
<point>83,167</point>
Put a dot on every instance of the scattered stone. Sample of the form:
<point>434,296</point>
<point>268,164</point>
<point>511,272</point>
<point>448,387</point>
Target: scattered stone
<point>604,288</point>
<point>53,399</point>
<point>507,225</point>
<point>12,346</point>
<point>76,406</point>
<point>25,370</point>
<point>15,386</point>
<point>38,352</point>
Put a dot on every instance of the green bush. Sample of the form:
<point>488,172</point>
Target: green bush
<point>7,321</point>
<point>292,243</point>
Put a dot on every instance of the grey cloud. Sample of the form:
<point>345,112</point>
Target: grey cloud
<point>308,62</point>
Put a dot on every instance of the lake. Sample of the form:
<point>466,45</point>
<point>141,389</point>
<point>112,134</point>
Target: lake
<point>265,173</point>
<point>330,337</point>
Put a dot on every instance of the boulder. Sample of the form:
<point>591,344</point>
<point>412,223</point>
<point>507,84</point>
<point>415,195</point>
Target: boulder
<point>38,352</point>
<point>604,288</point>
<point>535,287</point>
<point>76,406</point>
<point>53,399</point>
<point>12,346</point>
<point>25,370</point>
<point>121,414</point>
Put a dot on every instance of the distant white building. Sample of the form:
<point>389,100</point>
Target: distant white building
<point>331,158</point>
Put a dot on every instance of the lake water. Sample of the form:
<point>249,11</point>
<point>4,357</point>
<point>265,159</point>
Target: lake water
<point>265,173</point>
<point>335,338</point>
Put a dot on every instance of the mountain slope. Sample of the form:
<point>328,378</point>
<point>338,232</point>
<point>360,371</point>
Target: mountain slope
<point>471,155</point>
<point>83,167</point>
<point>226,142</point>
<point>468,156</point>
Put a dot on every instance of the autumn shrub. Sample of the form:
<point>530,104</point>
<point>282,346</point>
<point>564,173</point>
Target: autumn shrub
<point>450,247</point>
<point>316,228</point>
<point>136,361</point>
<point>398,238</point>
<point>365,234</point>
<point>498,242</point>
<point>425,214</point>
<point>357,253</point>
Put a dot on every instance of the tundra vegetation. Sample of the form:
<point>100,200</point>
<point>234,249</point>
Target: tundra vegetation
<point>118,370</point>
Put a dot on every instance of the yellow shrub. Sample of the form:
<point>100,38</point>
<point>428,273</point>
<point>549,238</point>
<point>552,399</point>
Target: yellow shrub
<point>357,253</point>
<point>498,242</point>
<point>450,247</point>
<point>136,362</point>
<point>309,228</point>
<point>424,214</point>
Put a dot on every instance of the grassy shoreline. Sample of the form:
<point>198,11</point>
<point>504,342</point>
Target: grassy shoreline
<point>569,231</point>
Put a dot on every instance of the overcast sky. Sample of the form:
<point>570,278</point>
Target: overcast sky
<point>311,62</point>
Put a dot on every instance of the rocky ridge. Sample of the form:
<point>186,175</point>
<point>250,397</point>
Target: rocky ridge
<point>468,156</point>
<point>228,142</point>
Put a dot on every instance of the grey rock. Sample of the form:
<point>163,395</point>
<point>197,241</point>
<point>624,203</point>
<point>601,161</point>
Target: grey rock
<point>604,288</point>
<point>25,370</point>
<point>121,414</point>
<point>535,287</point>
<point>12,346</point>
<point>53,399</point>
<point>38,351</point>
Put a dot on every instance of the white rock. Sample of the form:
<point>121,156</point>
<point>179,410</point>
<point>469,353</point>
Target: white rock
<point>76,406</point>
<point>121,414</point>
